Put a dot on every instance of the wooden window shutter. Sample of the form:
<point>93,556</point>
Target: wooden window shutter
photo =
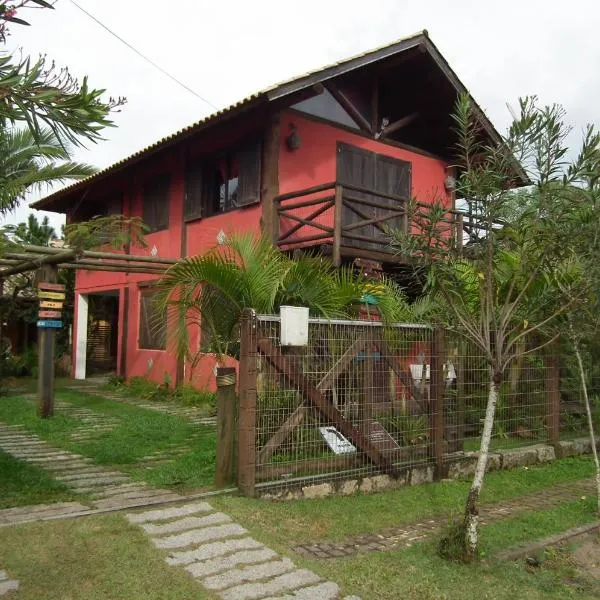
<point>155,202</point>
<point>249,162</point>
<point>114,205</point>
<point>193,191</point>
<point>393,176</point>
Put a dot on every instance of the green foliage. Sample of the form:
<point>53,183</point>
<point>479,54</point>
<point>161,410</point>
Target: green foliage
<point>32,231</point>
<point>249,272</point>
<point>40,95</point>
<point>116,231</point>
<point>411,430</point>
<point>28,162</point>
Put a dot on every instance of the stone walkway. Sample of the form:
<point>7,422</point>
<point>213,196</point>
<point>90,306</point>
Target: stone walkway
<point>104,488</point>
<point>411,533</point>
<point>6,584</point>
<point>191,413</point>
<point>225,559</point>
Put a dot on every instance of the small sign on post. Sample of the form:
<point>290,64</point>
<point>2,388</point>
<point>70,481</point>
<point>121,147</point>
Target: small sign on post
<point>51,295</point>
<point>50,304</point>
<point>53,287</point>
<point>49,324</point>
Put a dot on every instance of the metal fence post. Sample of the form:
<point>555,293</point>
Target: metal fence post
<point>246,474</point>
<point>226,409</point>
<point>553,394</point>
<point>436,399</point>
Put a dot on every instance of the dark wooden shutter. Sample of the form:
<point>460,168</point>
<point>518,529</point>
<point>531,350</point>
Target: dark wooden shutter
<point>114,205</point>
<point>249,161</point>
<point>155,202</point>
<point>193,191</point>
<point>378,173</point>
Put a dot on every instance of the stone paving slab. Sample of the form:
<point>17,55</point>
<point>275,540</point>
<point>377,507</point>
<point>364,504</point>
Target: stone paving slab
<point>186,523</point>
<point>213,550</point>
<point>226,563</point>
<point>9,585</point>
<point>235,566</point>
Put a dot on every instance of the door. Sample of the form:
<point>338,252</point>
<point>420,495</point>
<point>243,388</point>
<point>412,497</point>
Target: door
<point>379,174</point>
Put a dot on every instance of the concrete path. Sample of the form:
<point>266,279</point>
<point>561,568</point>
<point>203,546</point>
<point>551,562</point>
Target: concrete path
<point>6,584</point>
<point>105,488</point>
<point>223,557</point>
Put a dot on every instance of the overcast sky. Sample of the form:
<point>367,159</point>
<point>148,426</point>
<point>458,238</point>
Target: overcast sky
<point>226,50</point>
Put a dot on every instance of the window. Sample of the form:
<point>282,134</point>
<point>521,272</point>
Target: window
<point>155,202</point>
<point>100,207</point>
<point>327,107</point>
<point>225,182</point>
<point>153,322</point>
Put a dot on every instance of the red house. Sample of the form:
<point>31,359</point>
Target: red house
<point>324,160</point>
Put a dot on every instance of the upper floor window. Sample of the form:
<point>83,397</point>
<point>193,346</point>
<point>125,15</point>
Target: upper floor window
<point>224,182</point>
<point>325,106</point>
<point>155,202</point>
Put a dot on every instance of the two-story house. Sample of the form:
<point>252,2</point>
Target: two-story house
<point>324,160</point>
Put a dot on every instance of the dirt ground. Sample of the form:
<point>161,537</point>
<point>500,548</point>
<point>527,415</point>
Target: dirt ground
<point>587,556</point>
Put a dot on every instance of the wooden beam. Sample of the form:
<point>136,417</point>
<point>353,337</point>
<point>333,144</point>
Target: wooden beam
<point>292,422</point>
<point>124,332</point>
<point>349,107</point>
<point>36,263</point>
<point>337,226</point>
<point>308,222</point>
<point>306,191</point>
<point>48,273</point>
<point>306,238</point>
<point>306,387</point>
<point>399,124</point>
<point>375,106</point>
<point>341,364</point>
<point>270,178</point>
<point>313,202</point>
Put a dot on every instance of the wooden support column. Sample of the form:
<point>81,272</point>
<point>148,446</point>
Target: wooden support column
<point>436,400</point>
<point>553,393</point>
<point>48,273</point>
<point>226,410</point>
<point>124,331</point>
<point>337,226</point>
<point>270,180</point>
<point>246,472</point>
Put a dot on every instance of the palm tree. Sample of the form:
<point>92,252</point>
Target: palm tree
<point>249,272</point>
<point>27,163</point>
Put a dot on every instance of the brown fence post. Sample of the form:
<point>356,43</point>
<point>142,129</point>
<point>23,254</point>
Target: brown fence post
<point>436,399</point>
<point>337,226</point>
<point>226,409</point>
<point>553,394</point>
<point>246,474</point>
<point>46,351</point>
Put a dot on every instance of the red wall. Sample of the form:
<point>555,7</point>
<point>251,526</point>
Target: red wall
<point>315,162</point>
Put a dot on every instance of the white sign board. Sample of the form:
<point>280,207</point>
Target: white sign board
<point>336,441</point>
<point>417,372</point>
<point>294,325</point>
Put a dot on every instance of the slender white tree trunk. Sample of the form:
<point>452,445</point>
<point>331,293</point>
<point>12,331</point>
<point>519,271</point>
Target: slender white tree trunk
<point>471,512</point>
<point>588,410</point>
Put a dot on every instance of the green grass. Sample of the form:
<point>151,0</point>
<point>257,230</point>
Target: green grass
<point>336,518</point>
<point>22,484</point>
<point>139,433</point>
<point>96,558</point>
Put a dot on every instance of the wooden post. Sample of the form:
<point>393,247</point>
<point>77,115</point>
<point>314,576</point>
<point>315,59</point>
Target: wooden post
<point>553,394</point>
<point>337,226</point>
<point>46,342</point>
<point>246,472</point>
<point>436,399</point>
<point>459,233</point>
<point>226,409</point>
<point>270,179</point>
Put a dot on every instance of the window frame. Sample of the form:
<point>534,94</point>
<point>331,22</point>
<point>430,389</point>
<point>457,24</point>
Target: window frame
<point>149,192</point>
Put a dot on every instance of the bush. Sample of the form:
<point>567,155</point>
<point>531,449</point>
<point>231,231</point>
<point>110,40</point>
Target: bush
<point>190,396</point>
<point>21,365</point>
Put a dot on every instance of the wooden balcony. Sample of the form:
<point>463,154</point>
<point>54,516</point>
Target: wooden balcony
<point>350,221</point>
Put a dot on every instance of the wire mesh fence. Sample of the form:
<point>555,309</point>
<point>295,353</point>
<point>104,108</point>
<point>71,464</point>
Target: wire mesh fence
<point>361,398</point>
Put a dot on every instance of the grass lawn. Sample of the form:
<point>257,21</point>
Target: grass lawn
<point>96,558</point>
<point>22,484</point>
<point>138,433</point>
<point>339,517</point>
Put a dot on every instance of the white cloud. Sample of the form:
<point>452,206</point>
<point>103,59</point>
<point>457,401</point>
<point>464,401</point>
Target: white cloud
<point>227,50</point>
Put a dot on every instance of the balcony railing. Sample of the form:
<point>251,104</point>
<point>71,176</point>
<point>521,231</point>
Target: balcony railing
<point>355,221</point>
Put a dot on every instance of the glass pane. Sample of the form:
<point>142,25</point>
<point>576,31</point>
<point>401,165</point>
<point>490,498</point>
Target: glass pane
<point>327,107</point>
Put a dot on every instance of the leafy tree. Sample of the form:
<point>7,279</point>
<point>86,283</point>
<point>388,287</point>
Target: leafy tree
<point>32,231</point>
<point>501,290</point>
<point>249,272</point>
<point>42,96</point>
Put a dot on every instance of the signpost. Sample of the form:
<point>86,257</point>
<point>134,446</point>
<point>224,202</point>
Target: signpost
<point>51,295</point>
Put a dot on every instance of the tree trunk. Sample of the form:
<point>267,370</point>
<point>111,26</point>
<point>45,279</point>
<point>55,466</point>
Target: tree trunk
<point>471,522</point>
<point>588,410</point>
